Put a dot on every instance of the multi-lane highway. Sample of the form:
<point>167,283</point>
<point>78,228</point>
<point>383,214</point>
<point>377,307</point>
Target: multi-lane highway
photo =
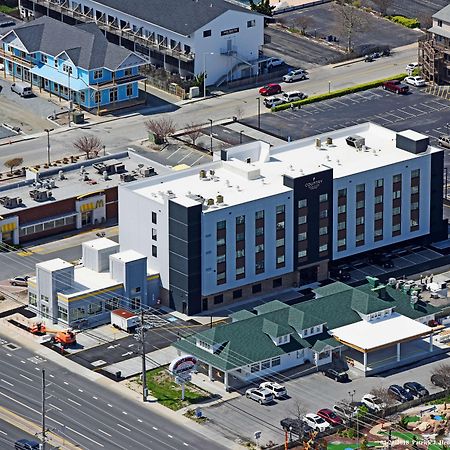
<point>89,413</point>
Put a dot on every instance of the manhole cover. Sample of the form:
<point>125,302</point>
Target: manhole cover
<point>11,346</point>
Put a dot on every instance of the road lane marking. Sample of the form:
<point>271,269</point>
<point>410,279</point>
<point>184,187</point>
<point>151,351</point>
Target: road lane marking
<point>8,354</point>
<point>73,401</point>
<point>22,361</point>
<point>51,376</point>
<point>140,420</point>
<point>66,383</point>
<point>2,432</point>
<point>7,382</point>
<point>121,426</point>
<point>109,404</point>
<point>88,438</point>
<point>24,376</point>
<point>53,406</point>
<point>156,429</point>
<point>170,436</point>
<point>104,432</point>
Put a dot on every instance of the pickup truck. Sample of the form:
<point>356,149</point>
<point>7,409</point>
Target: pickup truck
<point>396,86</point>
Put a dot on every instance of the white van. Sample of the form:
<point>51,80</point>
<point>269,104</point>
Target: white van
<point>270,102</point>
<point>293,96</point>
<point>22,89</point>
<point>444,141</point>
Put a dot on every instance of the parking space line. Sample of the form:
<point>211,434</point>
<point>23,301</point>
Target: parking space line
<point>173,154</point>
<point>185,156</point>
<point>196,161</point>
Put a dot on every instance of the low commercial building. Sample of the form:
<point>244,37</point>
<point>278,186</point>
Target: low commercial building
<point>260,218</point>
<point>76,63</point>
<point>218,37</point>
<point>373,327</point>
<point>83,296</point>
<point>434,49</point>
<point>72,196</point>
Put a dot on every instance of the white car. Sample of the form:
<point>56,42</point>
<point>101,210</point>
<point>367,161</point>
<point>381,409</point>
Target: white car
<point>277,390</point>
<point>19,281</point>
<point>294,75</point>
<point>274,62</point>
<point>412,66</point>
<point>345,411</point>
<point>373,402</point>
<point>415,81</point>
<point>260,395</point>
<point>293,96</point>
<point>270,102</point>
<point>316,422</point>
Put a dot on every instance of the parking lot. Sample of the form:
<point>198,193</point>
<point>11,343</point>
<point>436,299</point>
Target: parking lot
<point>242,417</point>
<point>410,8</point>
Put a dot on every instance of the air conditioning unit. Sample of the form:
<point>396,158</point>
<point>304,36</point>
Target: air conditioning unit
<point>355,141</point>
<point>126,177</point>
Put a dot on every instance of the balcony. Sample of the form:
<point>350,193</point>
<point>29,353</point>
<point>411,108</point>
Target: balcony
<point>124,33</point>
<point>229,51</point>
<point>16,59</point>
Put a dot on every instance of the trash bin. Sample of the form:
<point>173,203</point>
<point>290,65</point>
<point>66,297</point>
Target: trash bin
<point>78,117</point>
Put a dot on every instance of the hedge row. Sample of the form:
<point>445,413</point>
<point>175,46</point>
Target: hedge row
<point>338,93</point>
<point>405,21</point>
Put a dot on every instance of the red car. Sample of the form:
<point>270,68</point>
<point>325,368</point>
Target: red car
<point>330,417</point>
<point>396,86</point>
<point>270,89</point>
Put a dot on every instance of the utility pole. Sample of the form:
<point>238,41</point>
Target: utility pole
<point>44,433</point>
<point>144,370</point>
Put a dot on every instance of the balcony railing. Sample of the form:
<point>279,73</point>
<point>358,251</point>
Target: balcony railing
<point>16,59</point>
<point>125,33</point>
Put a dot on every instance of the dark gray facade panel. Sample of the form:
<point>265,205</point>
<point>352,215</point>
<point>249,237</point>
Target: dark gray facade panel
<point>438,226</point>
<point>411,145</point>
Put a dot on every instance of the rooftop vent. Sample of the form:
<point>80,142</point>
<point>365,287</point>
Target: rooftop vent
<point>10,202</point>
<point>126,177</point>
<point>61,175</point>
<point>355,141</point>
<point>210,202</point>
<point>40,195</point>
<point>318,143</point>
<point>329,141</point>
<point>202,174</point>
<point>219,198</point>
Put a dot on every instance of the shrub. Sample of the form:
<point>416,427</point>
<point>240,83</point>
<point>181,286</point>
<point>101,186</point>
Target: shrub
<point>338,93</point>
<point>405,21</point>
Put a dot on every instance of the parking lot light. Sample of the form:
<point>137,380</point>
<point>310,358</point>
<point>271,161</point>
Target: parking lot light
<point>211,136</point>
<point>47,130</point>
<point>259,112</point>
<point>240,136</point>
<point>329,86</point>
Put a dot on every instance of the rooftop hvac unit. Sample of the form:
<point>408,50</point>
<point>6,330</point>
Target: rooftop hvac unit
<point>219,198</point>
<point>61,175</point>
<point>126,177</point>
<point>329,141</point>
<point>10,202</point>
<point>355,141</point>
<point>40,196</point>
<point>318,143</point>
<point>105,175</point>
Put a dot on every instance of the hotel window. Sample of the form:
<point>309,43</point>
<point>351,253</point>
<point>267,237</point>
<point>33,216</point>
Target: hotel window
<point>302,236</point>
<point>303,203</point>
<point>280,209</point>
<point>251,23</point>
<point>259,231</point>
<point>240,237</point>
<point>221,258</point>
<point>414,206</point>
<point>378,215</point>
<point>301,220</point>
<point>280,225</point>
<point>240,220</point>
<point>414,189</point>
<point>342,226</point>
<point>237,294</point>
<point>379,183</point>
<point>44,58</point>
<point>98,74</point>
<point>240,253</point>
<point>32,299</point>
<point>360,204</point>
<point>127,73</point>
<point>82,96</point>
<point>378,232</point>
<point>323,231</point>
<point>254,368</point>
<point>240,271</point>
<point>97,97</point>
<point>323,248</point>
<point>342,209</point>
<point>360,187</point>
<point>265,364</point>
<point>62,312</point>
<point>396,227</point>
<point>359,237</point>
<point>259,215</point>
<point>397,178</point>
<point>153,217</point>
<point>154,251</point>
<point>218,299</point>
<point>256,288</point>
<point>301,254</point>
<point>342,193</point>
<point>378,199</point>
<point>220,241</point>
<point>396,194</point>
<point>323,198</point>
<point>259,267</point>
<point>415,173</point>
<point>154,234</point>
<point>279,242</point>
<point>55,62</point>
<point>112,95</point>
<point>414,223</point>
<point>280,259</point>
<point>396,211</point>
<point>129,90</point>
<point>341,242</point>
<point>206,33</point>
<point>323,214</point>
<point>259,248</point>
<point>221,225</point>
<point>221,277</point>
<point>360,220</point>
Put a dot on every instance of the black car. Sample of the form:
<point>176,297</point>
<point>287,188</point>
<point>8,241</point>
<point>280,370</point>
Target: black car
<point>335,374</point>
<point>340,274</point>
<point>416,389</point>
<point>25,444</point>
<point>382,260</point>
<point>440,380</point>
<point>295,426</point>
<point>399,393</point>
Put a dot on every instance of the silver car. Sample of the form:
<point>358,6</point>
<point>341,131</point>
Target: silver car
<point>260,395</point>
<point>294,75</point>
<point>19,281</point>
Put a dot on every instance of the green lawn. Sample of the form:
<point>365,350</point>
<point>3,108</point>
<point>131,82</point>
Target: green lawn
<point>6,9</point>
<point>162,386</point>
<point>344,446</point>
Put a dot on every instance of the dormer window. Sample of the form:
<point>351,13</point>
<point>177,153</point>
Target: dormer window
<point>283,339</point>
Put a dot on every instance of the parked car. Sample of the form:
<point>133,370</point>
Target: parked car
<point>415,81</point>
<point>316,422</point>
<point>330,416</point>
<point>416,389</point>
<point>381,259</point>
<point>395,86</point>
<point>26,444</point>
<point>22,89</point>
<point>345,411</point>
<point>444,141</point>
<point>440,380</point>
<point>276,389</point>
<point>399,393</point>
<point>411,66</point>
<point>293,96</point>
<point>270,102</point>
<point>294,75</point>
<point>373,402</point>
<point>338,375</point>
<point>340,274</point>
<point>19,281</point>
<point>270,89</point>
<point>274,62</point>
<point>260,395</point>
<point>295,426</point>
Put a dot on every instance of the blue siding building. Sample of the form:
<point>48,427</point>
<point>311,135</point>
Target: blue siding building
<point>76,63</point>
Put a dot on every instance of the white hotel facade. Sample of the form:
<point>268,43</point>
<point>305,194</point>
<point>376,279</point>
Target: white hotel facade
<point>259,218</point>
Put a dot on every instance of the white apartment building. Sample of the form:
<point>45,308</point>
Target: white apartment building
<point>216,37</point>
<point>260,218</point>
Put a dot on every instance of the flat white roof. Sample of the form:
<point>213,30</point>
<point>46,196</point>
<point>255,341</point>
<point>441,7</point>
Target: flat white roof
<point>87,280</point>
<point>239,182</point>
<point>100,243</point>
<point>54,264</point>
<point>380,332</point>
<point>414,135</point>
<point>128,255</point>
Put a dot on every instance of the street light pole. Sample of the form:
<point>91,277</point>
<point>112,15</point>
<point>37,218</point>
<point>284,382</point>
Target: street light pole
<point>70,97</point>
<point>329,86</point>
<point>204,72</point>
<point>210,136</point>
<point>44,431</point>
<point>259,112</point>
<point>47,130</point>
<point>144,370</point>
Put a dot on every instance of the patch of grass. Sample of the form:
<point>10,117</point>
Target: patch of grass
<point>409,419</point>
<point>7,9</point>
<point>163,387</point>
<point>405,21</point>
<point>440,401</point>
<point>338,93</point>
<point>332,446</point>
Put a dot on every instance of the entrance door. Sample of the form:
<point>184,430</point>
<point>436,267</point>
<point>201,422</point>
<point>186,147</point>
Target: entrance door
<point>308,275</point>
<point>229,45</point>
<point>7,237</point>
<point>86,218</point>
<point>205,304</point>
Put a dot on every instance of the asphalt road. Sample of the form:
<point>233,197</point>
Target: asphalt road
<point>85,412</point>
<point>411,8</point>
<point>118,135</point>
<point>9,434</point>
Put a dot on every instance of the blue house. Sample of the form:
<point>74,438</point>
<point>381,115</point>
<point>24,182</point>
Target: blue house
<point>76,63</point>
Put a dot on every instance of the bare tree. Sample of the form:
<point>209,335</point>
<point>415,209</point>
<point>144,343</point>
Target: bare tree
<point>442,376</point>
<point>193,131</point>
<point>425,21</point>
<point>382,5</point>
<point>302,22</point>
<point>88,144</point>
<point>298,410</point>
<point>351,20</point>
<point>384,395</point>
<point>13,163</point>
<point>160,128</point>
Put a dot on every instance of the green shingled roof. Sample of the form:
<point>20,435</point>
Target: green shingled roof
<point>275,330</point>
